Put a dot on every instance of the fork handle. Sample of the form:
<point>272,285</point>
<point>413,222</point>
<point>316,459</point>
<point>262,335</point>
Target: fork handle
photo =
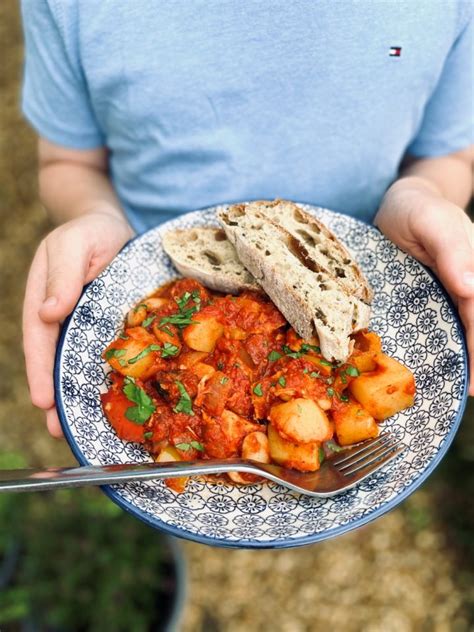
<point>30,480</point>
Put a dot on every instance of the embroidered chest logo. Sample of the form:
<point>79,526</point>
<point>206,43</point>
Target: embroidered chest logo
<point>395,51</point>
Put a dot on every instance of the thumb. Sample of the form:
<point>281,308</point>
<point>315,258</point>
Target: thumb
<point>456,271</point>
<point>68,257</point>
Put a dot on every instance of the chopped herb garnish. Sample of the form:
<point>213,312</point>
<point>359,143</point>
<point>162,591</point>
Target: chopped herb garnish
<point>196,296</point>
<point>167,330</point>
<point>257,389</point>
<point>148,320</point>
<point>273,356</point>
<point>123,335</point>
<point>169,350</point>
<point>185,403</point>
<point>123,362</point>
<point>303,350</point>
<point>181,302</point>
<point>330,392</point>
<point>352,371</point>
<point>114,353</point>
<point>332,445</point>
<point>220,366</point>
<point>144,353</point>
<point>322,455</point>
<point>281,381</point>
<point>343,397</point>
<point>305,370</point>
<point>180,320</point>
<point>343,378</point>
<point>325,362</point>
<point>187,446</point>
<point>135,309</point>
<point>307,347</point>
<point>144,404</point>
<point>315,374</point>
<point>290,353</point>
<point>147,435</point>
<point>224,380</point>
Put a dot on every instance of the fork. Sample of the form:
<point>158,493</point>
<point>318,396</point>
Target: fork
<point>337,474</point>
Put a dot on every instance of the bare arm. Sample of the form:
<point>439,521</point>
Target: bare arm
<point>76,190</point>
<point>74,182</point>
<point>450,176</point>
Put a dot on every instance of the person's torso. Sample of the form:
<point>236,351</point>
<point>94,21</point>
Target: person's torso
<point>215,101</point>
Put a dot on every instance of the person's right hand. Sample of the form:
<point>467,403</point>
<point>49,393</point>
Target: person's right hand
<point>68,258</point>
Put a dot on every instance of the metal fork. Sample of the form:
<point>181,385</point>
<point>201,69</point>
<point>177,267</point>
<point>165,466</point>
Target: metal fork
<point>337,474</point>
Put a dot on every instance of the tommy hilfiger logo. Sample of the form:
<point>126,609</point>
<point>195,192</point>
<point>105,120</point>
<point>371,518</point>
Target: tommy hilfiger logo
<point>395,51</point>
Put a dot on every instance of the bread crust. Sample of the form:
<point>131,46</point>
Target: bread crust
<point>206,255</point>
<point>310,300</point>
<point>321,248</point>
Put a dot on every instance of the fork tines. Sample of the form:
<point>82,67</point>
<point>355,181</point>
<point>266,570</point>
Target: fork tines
<point>368,457</point>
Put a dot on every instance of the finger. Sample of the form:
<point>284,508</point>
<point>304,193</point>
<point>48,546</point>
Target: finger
<point>39,338</point>
<point>466,312</point>
<point>451,246</point>
<point>53,424</point>
<point>68,261</point>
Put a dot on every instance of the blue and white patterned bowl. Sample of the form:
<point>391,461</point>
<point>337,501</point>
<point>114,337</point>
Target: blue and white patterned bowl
<point>418,326</point>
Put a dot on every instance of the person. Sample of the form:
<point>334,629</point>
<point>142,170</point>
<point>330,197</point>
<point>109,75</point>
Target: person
<point>148,109</point>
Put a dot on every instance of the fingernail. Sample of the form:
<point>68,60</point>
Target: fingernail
<point>468,278</point>
<point>50,302</point>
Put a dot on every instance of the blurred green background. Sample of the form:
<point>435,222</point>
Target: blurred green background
<point>412,570</point>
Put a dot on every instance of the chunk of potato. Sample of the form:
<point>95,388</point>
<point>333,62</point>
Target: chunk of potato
<point>168,455</point>
<point>201,369</point>
<point>123,355</point>
<point>223,436</point>
<point>367,345</point>
<point>303,457</point>
<point>203,335</point>
<point>137,314</point>
<point>190,358</point>
<point>300,420</point>
<point>385,391</point>
<point>254,447</point>
<point>167,335</point>
<point>353,424</point>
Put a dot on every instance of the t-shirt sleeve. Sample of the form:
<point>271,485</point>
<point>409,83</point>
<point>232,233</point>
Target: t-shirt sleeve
<point>448,121</point>
<point>55,99</point>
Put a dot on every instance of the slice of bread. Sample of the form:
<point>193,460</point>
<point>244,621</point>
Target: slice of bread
<point>320,247</point>
<point>206,255</point>
<point>312,301</point>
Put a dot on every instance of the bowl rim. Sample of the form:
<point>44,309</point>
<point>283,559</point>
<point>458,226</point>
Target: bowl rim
<point>281,543</point>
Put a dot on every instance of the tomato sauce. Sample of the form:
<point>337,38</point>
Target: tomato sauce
<point>199,372</point>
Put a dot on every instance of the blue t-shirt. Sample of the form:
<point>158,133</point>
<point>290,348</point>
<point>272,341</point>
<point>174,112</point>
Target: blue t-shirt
<point>202,102</point>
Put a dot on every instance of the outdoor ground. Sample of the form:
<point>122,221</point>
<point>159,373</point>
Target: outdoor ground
<point>410,571</point>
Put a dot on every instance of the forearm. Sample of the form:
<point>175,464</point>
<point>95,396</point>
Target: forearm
<point>75,182</point>
<point>69,189</point>
<point>448,176</point>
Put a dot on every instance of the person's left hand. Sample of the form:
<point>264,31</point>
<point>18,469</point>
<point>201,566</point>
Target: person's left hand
<point>440,235</point>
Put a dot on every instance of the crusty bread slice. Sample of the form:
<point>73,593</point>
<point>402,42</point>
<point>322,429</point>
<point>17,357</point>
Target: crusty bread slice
<point>311,301</point>
<point>205,254</point>
<point>321,248</point>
